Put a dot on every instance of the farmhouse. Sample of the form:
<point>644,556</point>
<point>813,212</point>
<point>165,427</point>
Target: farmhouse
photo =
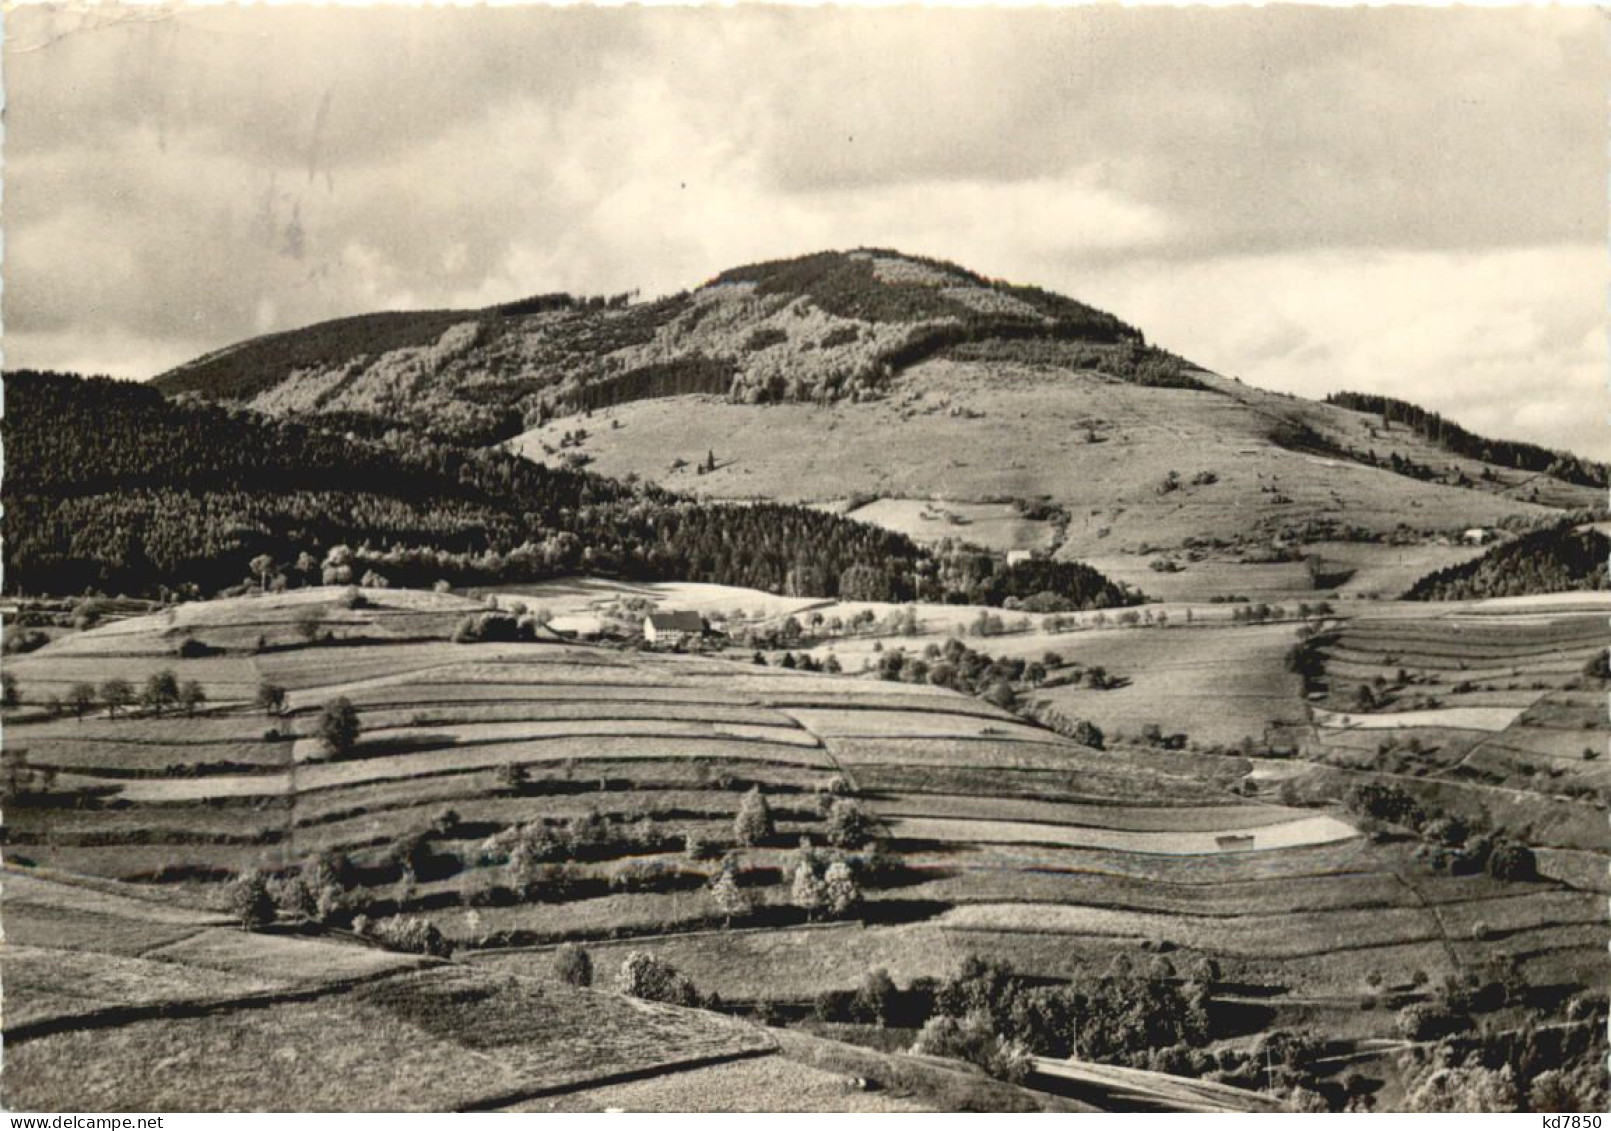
<point>672,629</point>
<point>1016,556</point>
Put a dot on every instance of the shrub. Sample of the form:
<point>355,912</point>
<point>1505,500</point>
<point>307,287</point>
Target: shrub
<point>874,1000</point>
<point>308,624</point>
<point>495,627</point>
<point>573,965</point>
<point>293,898</point>
<point>1306,1100</point>
<point>1426,1021</point>
<point>410,933</point>
<point>763,336</point>
<point>17,639</point>
<point>251,902</point>
<point>1512,861</point>
<point>849,826</point>
<point>697,846</point>
<point>642,975</point>
<point>973,1039</point>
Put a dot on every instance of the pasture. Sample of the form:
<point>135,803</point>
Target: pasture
<point>1101,449</point>
<point>1214,684</point>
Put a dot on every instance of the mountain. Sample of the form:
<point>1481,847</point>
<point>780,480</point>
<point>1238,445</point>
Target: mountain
<point>927,399</point>
<point>826,327</point>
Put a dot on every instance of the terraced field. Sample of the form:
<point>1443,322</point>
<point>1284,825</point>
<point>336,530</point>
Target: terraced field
<point>1485,714</point>
<point>102,1000</point>
<point>994,836</point>
<point>1494,695</point>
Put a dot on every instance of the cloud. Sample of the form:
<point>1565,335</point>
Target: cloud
<point>1510,342</point>
<point>1226,179</point>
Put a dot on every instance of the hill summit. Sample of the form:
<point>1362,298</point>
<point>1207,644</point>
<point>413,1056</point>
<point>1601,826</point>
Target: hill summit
<point>819,328</point>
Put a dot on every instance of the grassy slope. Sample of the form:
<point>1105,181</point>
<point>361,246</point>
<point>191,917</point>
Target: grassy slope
<point>1029,439</point>
<point>331,1026</point>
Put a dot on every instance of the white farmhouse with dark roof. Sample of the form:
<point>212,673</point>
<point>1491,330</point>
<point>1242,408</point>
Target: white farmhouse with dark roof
<point>671,629</point>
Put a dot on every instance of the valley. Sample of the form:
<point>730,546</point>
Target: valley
<point>853,684</point>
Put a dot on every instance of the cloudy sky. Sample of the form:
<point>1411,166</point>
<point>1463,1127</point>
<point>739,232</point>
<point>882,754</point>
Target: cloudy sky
<point>1411,202</point>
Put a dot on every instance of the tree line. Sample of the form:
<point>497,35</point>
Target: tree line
<point>1449,435</point>
<point>1559,559</point>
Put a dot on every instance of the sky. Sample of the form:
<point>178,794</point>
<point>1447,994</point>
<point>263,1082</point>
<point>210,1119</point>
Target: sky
<point>1402,201</point>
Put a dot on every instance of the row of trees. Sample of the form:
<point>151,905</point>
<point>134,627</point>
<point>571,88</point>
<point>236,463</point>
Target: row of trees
<point>1447,434</point>
<point>817,885</point>
<point>162,692</point>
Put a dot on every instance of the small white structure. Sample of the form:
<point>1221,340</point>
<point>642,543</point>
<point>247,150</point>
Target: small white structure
<point>672,629</point>
<point>581,626</point>
<point>1476,536</point>
<point>1016,556</point>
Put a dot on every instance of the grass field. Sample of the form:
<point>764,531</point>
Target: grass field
<point>1261,837</point>
<point>434,1041</point>
<point>997,526</point>
<point>755,1084</point>
<point>1173,672</point>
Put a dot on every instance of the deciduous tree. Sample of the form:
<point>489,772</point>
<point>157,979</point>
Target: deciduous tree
<point>753,825</point>
<point>339,727</point>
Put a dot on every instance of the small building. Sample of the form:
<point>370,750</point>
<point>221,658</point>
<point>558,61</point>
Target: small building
<point>672,629</point>
<point>579,626</point>
<point>1476,536</point>
<point>1014,557</point>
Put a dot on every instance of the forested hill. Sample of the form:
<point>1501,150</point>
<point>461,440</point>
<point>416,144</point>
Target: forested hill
<point>1453,438</point>
<point>109,486</point>
<point>1558,560</point>
<point>820,328</point>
